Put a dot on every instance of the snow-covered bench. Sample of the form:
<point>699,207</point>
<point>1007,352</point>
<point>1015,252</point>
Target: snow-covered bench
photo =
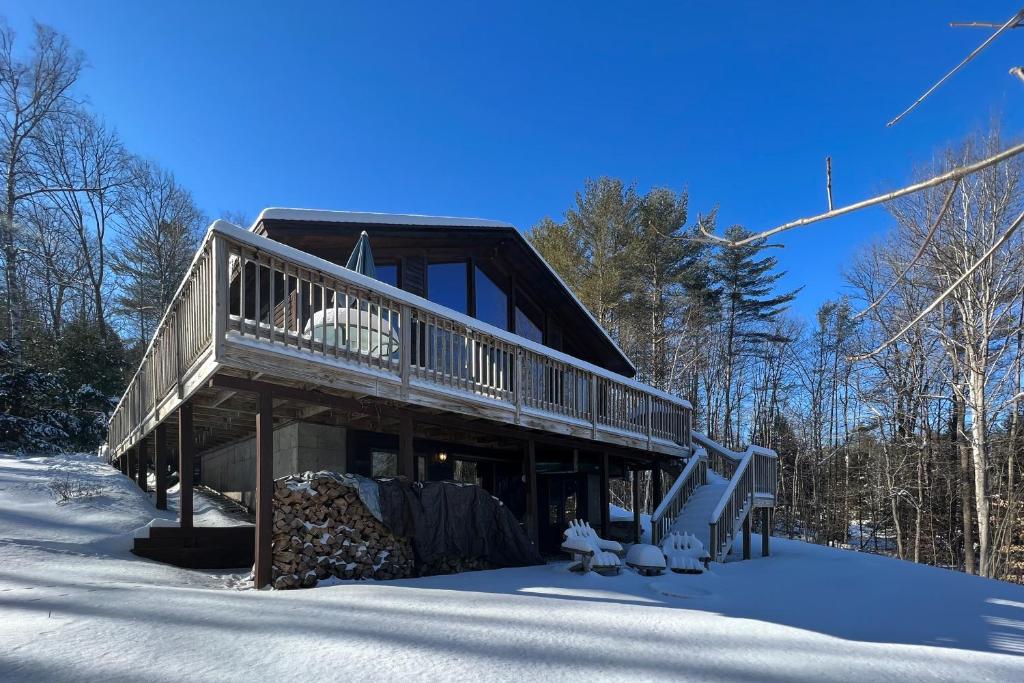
<point>590,551</point>
<point>684,553</point>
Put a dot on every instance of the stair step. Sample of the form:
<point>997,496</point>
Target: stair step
<point>199,558</point>
<point>203,534</point>
<point>199,547</point>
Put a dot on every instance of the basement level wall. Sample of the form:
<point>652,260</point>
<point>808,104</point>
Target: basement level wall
<point>298,447</point>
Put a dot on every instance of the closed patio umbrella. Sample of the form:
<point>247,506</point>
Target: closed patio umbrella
<point>361,259</point>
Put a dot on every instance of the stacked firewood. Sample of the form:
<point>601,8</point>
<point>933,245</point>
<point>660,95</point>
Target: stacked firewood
<point>322,529</point>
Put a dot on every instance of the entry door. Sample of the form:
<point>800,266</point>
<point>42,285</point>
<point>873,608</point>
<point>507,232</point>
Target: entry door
<point>561,498</point>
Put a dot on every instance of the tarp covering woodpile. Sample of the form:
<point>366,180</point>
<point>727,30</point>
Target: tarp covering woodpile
<point>346,526</point>
<point>451,520</point>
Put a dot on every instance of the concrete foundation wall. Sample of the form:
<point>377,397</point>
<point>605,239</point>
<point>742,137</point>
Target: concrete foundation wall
<point>298,447</point>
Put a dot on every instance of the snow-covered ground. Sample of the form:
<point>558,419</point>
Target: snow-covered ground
<point>76,605</point>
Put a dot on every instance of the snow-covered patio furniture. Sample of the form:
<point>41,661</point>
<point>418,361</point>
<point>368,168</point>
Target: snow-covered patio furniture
<point>646,559</point>
<point>590,551</point>
<point>684,553</point>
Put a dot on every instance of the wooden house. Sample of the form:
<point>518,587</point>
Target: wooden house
<point>465,357</point>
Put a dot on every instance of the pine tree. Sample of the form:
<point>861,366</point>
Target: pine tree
<point>745,283</point>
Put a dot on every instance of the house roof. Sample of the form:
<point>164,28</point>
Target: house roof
<point>363,218</point>
<point>422,221</point>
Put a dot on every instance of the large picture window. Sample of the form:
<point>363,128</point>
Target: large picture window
<point>446,285</point>
<point>529,319</point>
<point>491,301</point>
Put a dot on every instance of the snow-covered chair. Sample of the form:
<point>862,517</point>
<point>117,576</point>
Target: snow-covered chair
<point>684,553</point>
<point>590,551</point>
<point>647,560</point>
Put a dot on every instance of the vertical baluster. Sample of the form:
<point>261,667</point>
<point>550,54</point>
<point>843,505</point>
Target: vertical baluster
<point>241,289</point>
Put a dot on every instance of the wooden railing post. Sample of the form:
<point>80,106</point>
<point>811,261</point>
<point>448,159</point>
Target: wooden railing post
<point>746,533</point>
<point>592,378</point>
<point>405,348</point>
<point>176,323</point>
<point>518,379</point>
<point>647,420</point>
<point>221,286</point>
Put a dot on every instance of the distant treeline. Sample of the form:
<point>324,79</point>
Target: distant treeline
<point>915,450</point>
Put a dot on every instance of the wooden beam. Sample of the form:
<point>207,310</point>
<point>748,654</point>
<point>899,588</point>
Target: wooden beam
<point>160,466</point>
<point>636,506</point>
<point>746,534</point>
<point>406,451</point>
<point>264,490</point>
<point>143,470</point>
<point>461,422</point>
<point>766,530</point>
<point>657,491</point>
<point>186,451</point>
<point>605,497</point>
<point>531,491</point>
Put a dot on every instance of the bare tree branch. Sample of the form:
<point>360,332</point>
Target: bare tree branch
<point>979,24</point>
<point>1010,23</point>
<point>955,174</point>
<point>917,256</point>
<point>930,307</point>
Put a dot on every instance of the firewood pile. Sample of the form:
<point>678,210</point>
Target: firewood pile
<point>322,529</point>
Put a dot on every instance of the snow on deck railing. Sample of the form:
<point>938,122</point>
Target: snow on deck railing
<point>694,475</point>
<point>754,472</point>
<point>321,310</point>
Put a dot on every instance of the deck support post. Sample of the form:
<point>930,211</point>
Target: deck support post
<point>406,453</point>
<point>530,466</point>
<point>262,575</point>
<point>143,470</point>
<point>186,447</point>
<point>637,531</point>
<point>746,534</point>
<point>122,463</point>
<point>657,492</point>
<point>766,530</point>
<point>606,525</point>
<point>160,466</point>
<point>133,459</point>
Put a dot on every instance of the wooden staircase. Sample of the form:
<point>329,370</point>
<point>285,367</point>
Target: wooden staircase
<point>740,483</point>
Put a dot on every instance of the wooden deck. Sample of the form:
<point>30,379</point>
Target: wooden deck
<point>252,308</point>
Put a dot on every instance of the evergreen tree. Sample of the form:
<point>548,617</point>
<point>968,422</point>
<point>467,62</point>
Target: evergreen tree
<point>746,283</point>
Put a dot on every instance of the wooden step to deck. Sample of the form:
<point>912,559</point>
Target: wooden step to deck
<point>200,547</point>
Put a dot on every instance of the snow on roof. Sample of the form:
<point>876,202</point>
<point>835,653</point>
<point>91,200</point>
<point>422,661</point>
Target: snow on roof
<point>322,216</point>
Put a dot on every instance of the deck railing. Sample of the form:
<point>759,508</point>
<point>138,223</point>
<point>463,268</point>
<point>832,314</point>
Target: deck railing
<point>181,338</point>
<point>753,479</point>
<point>246,287</point>
<point>694,475</point>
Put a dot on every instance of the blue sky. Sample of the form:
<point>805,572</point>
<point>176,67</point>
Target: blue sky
<point>502,112</point>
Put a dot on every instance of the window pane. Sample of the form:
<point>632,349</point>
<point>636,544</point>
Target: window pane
<point>446,285</point>
<point>525,327</point>
<point>388,273</point>
<point>491,302</point>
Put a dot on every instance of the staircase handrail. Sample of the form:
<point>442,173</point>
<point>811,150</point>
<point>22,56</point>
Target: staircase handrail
<point>694,474</point>
<point>745,482</point>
